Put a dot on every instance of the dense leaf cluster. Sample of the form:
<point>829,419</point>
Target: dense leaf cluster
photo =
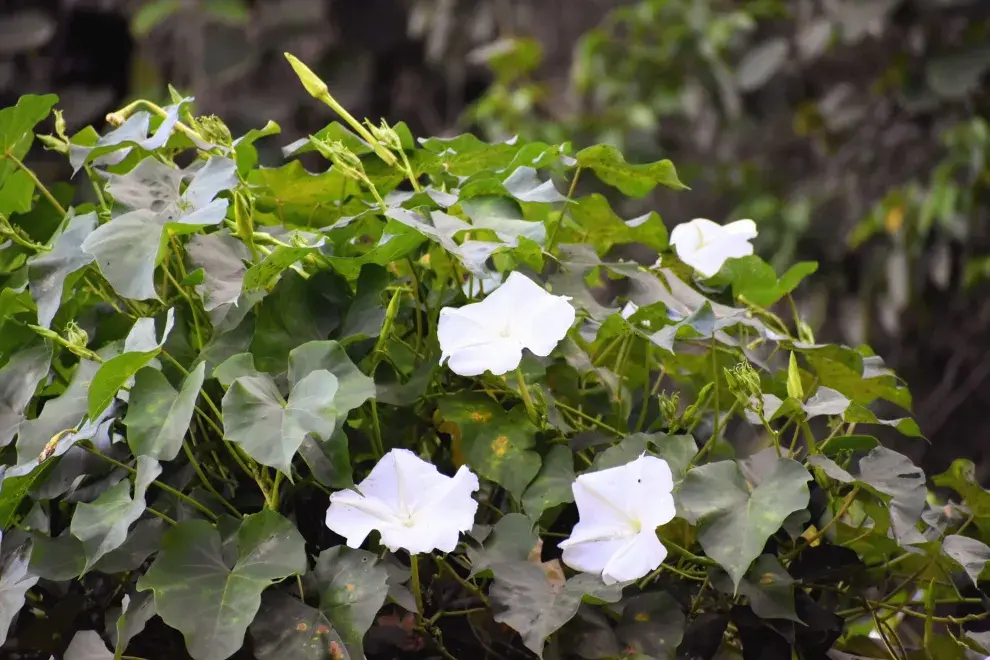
<point>196,358</point>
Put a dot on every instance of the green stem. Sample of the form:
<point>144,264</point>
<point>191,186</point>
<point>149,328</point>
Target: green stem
<point>376,438</point>
<point>416,589</point>
<point>120,116</point>
<point>165,487</point>
<point>570,194</point>
<point>415,291</point>
<point>589,418</point>
<point>846,503</point>
<point>271,500</point>
<point>38,184</point>
<point>206,482</point>
<point>156,512</point>
<point>527,400</point>
<point>464,583</point>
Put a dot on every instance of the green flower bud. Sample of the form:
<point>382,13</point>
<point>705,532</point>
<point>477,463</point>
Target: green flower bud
<point>75,335</point>
<point>670,407</point>
<point>214,130</point>
<point>52,143</point>
<point>60,127</point>
<point>316,87</point>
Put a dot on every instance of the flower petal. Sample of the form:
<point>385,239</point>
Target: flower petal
<point>543,323</point>
<point>643,553</point>
<point>499,356</point>
<point>589,549</point>
<point>463,327</point>
<point>353,516</point>
<point>709,259</point>
<point>445,511</point>
<point>506,301</point>
<point>651,483</point>
<point>690,236</point>
<point>743,228</point>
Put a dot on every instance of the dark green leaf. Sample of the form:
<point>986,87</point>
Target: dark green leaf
<point>600,227</point>
<point>47,270</point>
<point>211,602</point>
<point>245,152</point>
<point>134,615</point>
<point>366,314</point>
<point>288,629</point>
<point>352,587</point>
<point>158,415</point>
<point>841,443</point>
<point>354,387</point>
<point>271,430</point>
<point>221,258</point>
<point>523,599</point>
<point>737,505</point>
<point>767,585</point>
<point>102,524</point>
<point>511,540</point>
<point>632,180</point>
<point>969,553</point>
<point>552,485</point>
<point>497,444</point>
<point>59,414</point>
<point>652,624</point>
<point>893,477</point>
<point>15,579</point>
<point>18,381</point>
<point>139,349</point>
<point>14,489</point>
<point>126,251</point>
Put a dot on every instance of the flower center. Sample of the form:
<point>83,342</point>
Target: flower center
<point>505,332</point>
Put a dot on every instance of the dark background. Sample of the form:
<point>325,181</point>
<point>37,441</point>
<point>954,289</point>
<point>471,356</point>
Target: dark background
<point>852,131</point>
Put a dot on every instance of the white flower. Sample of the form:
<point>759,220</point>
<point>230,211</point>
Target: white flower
<point>620,509</point>
<point>409,502</point>
<point>491,334</point>
<point>705,246</point>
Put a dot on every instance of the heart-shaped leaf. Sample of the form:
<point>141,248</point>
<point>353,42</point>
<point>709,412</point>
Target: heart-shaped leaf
<point>206,598</point>
<point>352,587</point>
<point>126,250</point>
<point>288,629</point>
<point>47,270</point>
<point>158,415</point>
<point>271,430</point>
<point>736,512</point>
<point>17,128</point>
<point>102,524</point>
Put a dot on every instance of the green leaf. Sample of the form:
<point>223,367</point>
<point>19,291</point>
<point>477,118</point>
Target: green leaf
<point>264,274</point>
<point>152,14</point>
<point>19,379</point>
<point>210,601</point>
<point>497,444</point>
<point>126,251</point>
<point>355,388</point>
<point>134,615</point>
<point>523,599</point>
<point>60,414</point>
<point>102,524</point>
<point>895,479</point>
<point>47,270</point>
<point>756,281</point>
<point>850,443</point>
<point>234,367</point>
<point>15,579</point>
<point>17,129</point>
<point>221,258</point>
<point>600,227</point>
<point>632,180</point>
<point>767,585</point>
<point>794,387</point>
<point>366,314</point>
<point>158,415</point>
<point>552,485</point>
<point>652,624</point>
<point>271,430</point>
<point>738,505</point>
<point>504,216</point>
<point>511,540</point>
<point>17,193</point>
<point>288,629</point>
<point>295,312</point>
<point>330,460</point>
<point>677,450</point>
<point>14,489</point>
<point>441,228</point>
<point>961,477</point>
<point>352,587</point>
<point>139,349</point>
<point>969,553</point>
<point>397,241</point>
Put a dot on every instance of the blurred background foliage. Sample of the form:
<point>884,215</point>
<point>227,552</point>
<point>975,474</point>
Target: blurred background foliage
<point>853,131</point>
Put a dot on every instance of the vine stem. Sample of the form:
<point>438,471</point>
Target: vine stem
<point>527,400</point>
<point>846,503</point>
<point>38,184</point>
<point>570,194</point>
<point>416,589</point>
<point>165,487</point>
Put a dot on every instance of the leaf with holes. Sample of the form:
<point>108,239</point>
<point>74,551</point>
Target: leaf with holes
<point>352,587</point>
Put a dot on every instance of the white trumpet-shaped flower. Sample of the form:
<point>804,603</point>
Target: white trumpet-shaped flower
<point>409,502</point>
<point>491,334</point>
<point>619,511</point>
<point>705,245</point>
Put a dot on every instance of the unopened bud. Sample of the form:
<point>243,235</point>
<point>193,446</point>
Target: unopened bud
<point>691,412</point>
<point>60,127</point>
<point>316,87</point>
<point>670,407</point>
<point>386,135</point>
<point>52,143</point>
<point>214,130</point>
<point>744,383</point>
<point>75,335</point>
<point>342,157</point>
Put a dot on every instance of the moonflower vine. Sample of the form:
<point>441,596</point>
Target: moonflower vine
<point>490,335</point>
<point>705,245</point>
<point>619,511</point>
<point>409,502</point>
